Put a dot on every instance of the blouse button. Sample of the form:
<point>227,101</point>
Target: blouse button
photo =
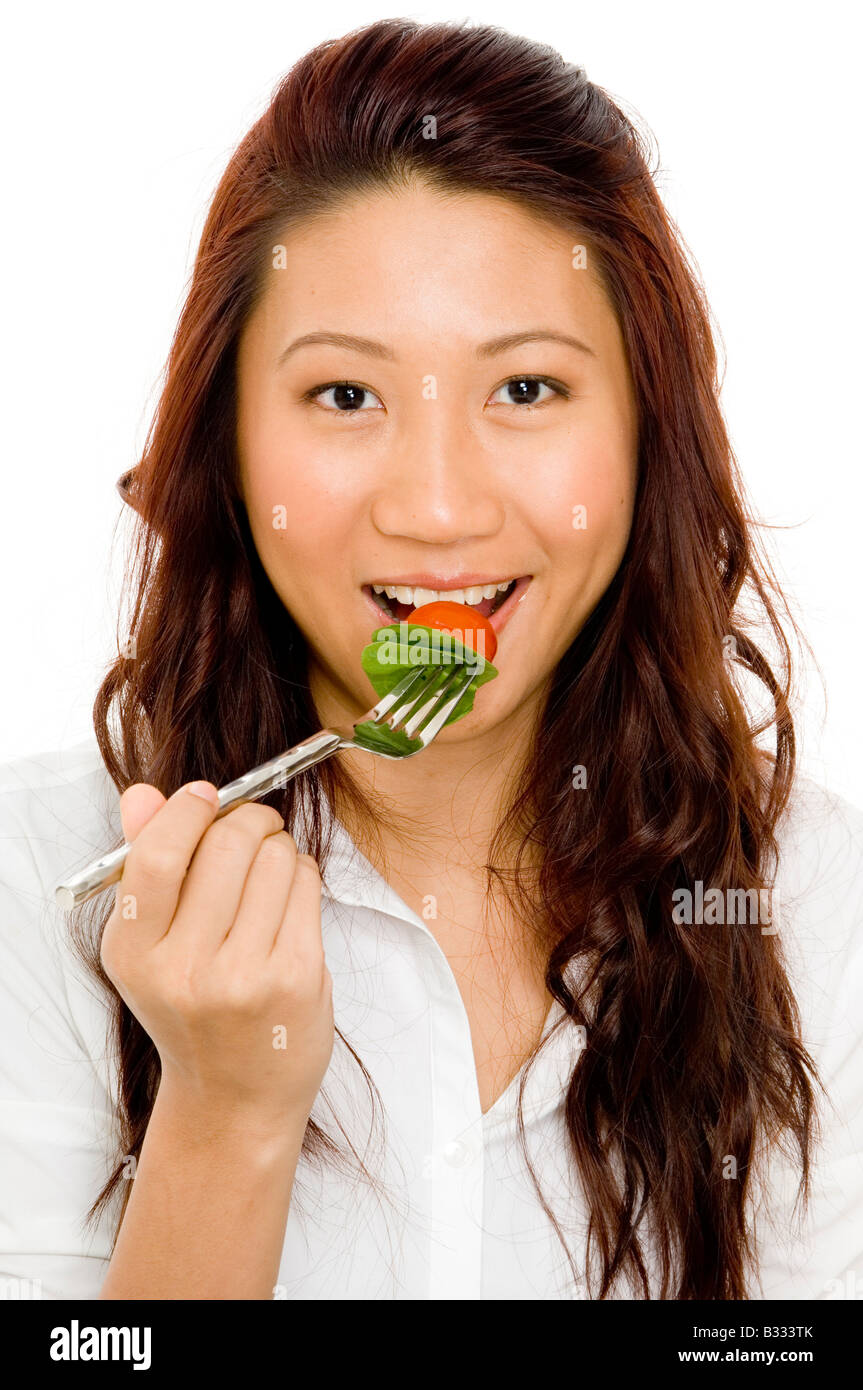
<point>457,1154</point>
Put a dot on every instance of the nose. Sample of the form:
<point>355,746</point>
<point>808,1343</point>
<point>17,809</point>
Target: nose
<point>439,487</point>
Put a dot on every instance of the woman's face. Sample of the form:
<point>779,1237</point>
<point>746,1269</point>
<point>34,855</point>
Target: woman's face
<point>432,463</point>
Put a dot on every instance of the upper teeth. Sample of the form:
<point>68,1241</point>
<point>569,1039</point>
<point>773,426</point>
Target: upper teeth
<point>416,597</point>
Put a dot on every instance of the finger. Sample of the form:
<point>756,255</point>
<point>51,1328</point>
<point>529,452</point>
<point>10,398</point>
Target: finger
<point>138,804</point>
<point>159,857</point>
<point>299,936</point>
<point>265,898</point>
<point>213,888</point>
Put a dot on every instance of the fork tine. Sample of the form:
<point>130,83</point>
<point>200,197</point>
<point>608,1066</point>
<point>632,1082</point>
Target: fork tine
<point>440,706</point>
<point>438,688</point>
<point>431,687</point>
<point>413,681</point>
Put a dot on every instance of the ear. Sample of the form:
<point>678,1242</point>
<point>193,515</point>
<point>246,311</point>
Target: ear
<point>126,486</point>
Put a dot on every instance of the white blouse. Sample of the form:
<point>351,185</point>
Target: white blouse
<point>459,1218</point>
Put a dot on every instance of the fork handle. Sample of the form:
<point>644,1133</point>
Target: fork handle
<point>262,779</point>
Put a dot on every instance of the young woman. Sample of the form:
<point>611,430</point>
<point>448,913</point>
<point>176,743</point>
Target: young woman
<point>493,1022</point>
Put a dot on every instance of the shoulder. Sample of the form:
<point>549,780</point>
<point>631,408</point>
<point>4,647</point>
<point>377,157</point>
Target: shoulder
<point>821,840</point>
<point>819,890</point>
<point>58,810</point>
<point>55,807</point>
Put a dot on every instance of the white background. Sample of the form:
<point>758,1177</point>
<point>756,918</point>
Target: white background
<point>117,124</point>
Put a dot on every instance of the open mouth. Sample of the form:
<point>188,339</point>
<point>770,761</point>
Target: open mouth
<point>399,601</point>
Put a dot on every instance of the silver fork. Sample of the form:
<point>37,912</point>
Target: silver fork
<point>443,688</point>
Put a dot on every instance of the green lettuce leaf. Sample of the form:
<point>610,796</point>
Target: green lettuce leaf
<point>397,650</point>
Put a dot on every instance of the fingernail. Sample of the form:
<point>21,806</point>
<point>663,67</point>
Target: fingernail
<point>205,790</point>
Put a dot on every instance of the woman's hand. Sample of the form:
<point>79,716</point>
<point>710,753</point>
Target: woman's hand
<point>215,945</point>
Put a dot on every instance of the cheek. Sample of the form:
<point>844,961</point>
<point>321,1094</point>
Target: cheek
<point>584,504</point>
<point>297,521</point>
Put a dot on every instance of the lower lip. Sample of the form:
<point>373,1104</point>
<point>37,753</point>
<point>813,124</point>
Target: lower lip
<point>498,619</point>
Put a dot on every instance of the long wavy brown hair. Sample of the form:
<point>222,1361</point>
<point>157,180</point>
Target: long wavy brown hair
<point>693,1049</point>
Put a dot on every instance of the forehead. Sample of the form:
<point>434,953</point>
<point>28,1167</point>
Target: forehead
<point>421,259</point>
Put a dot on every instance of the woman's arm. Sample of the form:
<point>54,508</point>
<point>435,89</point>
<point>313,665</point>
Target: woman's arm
<point>209,1204</point>
<point>222,962</point>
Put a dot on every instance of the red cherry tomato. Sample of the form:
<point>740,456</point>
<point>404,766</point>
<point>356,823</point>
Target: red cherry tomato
<point>465,620</point>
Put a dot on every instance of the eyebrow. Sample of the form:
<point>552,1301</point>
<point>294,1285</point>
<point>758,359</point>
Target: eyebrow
<point>372,348</point>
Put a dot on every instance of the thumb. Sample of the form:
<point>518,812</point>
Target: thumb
<point>138,804</point>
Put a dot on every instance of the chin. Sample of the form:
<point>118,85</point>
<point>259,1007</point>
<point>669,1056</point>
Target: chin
<point>488,713</point>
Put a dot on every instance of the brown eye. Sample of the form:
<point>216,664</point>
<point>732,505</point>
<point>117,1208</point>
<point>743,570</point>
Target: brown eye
<point>348,397</point>
<point>525,391</point>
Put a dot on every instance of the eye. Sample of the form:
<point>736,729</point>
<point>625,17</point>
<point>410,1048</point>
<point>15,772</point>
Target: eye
<point>527,390</point>
<point>348,397</point>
